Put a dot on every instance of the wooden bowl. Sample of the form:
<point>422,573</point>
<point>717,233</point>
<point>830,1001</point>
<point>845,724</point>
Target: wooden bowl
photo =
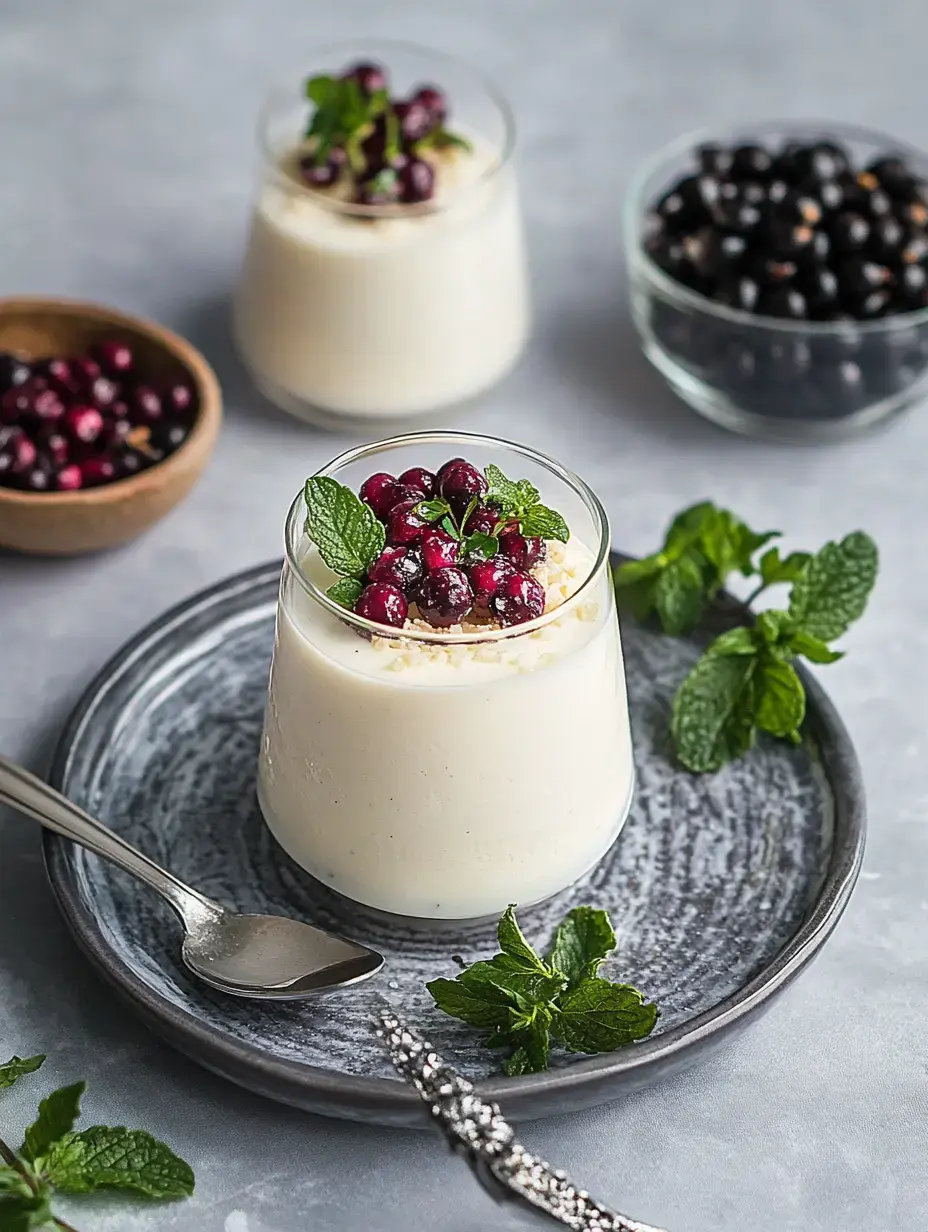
<point>66,523</point>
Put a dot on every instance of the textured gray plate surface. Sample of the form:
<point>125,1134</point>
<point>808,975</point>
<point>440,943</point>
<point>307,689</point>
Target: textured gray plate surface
<point>721,887</point>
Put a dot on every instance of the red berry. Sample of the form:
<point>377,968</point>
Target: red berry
<point>384,604</point>
<point>482,521</point>
<point>85,370</point>
<point>379,492</point>
<point>445,597</point>
<point>422,480</point>
<point>84,424</point>
<point>116,431</point>
<point>415,119</point>
<point>145,405</point>
<point>486,577</point>
<point>17,403</point>
<point>417,181</point>
<point>178,398</point>
<point>523,552</point>
<point>57,447</point>
<point>69,479</point>
<point>115,358</point>
<point>434,101</point>
<point>399,567</point>
<point>370,77</point>
<point>17,452</point>
<point>47,407</point>
<point>97,471</point>
<point>449,465</point>
<point>62,376</point>
<point>439,549</point>
<point>520,597</point>
<point>104,392</point>
<point>404,526</point>
<point>459,484</point>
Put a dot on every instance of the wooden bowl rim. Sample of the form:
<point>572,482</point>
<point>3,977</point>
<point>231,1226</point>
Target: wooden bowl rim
<point>209,397</point>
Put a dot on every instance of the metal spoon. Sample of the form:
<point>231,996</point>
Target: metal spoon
<point>261,956</point>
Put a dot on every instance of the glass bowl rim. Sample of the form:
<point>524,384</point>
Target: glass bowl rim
<point>283,91</point>
<point>293,533</point>
<point>634,208</point>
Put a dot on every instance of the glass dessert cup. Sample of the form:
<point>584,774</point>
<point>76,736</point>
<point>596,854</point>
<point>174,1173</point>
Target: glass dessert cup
<point>377,315</point>
<point>444,775</point>
<point>763,376</point>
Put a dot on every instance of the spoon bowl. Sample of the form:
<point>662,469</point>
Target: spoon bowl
<point>265,957</point>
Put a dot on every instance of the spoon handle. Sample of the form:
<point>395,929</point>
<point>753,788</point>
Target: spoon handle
<point>29,795</point>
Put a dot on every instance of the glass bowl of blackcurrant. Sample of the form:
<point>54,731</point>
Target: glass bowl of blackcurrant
<point>779,275</point>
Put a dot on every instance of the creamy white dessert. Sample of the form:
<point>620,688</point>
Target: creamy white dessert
<point>388,316</point>
<point>447,780</point>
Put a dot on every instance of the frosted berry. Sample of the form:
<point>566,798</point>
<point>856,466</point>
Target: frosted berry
<point>459,484</point>
<point>403,525</point>
<point>486,577</point>
<point>523,552</point>
<point>445,597</point>
<point>519,598</point>
<point>384,604</point>
<point>419,478</point>
<point>398,566</point>
<point>439,549</point>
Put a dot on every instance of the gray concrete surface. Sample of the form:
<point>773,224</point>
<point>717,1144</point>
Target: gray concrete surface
<point>126,166</point>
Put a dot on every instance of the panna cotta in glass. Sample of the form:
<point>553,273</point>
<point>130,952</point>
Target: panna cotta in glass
<point>385,273</point>
<point>447,728</point>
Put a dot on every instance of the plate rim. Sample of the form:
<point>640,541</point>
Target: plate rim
<point>314,1087</point>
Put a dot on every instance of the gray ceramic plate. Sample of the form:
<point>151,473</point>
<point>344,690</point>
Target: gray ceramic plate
<point>722,888</point>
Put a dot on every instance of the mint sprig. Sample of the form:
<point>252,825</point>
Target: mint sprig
<point>54,1157</point>
<point>524,1001</point>
<point>702,547</point>
<point>745,681</point>
<point>519,505</point>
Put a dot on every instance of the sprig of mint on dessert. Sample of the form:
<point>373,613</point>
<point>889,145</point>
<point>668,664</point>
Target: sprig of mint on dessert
<point>347,533</point>
<point>346,114</point>
<point>54,1157</point>
<point>745,680</point>
<point>523,1001</point>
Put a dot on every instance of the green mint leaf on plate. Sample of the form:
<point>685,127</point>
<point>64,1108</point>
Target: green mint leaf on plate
<point>599,1016</point>
<point>484,1008</point>
<point>16,1067</point>
<point>346,532</point>
<point>780,699</point>
<point>532,1044</point>
<point>728,545</point>
<point>432,510</point>
<point>678,596</point>
<point>812,648</point>
<point>833,590</point>
<point>57,1114</point>
<point>502,981</point>
<point>116,1158</point>
<point>513,944</point>
<point>22,1208</point>
<point>712,719</point>
<point>582,941</point>
<point>479,546</point>
<point>346,591</point>
<point>775,569</point>
<point>544,522</point>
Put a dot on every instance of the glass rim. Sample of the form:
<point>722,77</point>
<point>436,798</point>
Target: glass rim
<point>283,92</point>
<point>634,209</point>
<point>294,531</point>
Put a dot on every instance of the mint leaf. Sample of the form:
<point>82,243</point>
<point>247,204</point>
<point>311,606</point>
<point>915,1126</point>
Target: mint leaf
<point>117,1158</point>
<point>776,630</point>
<point>678,596</point>
<point>544,522</point>
<point>713,712</point>
<point>728,545</point>
<point>321,90</point>
<point>441,139</point>
<point>740,641</point>
<point>484,1008</point>
<point>12,1182</point>
<point>833,590</point>
<point>599,1016</point>
<point>513,944</point>
<point>582,941</point>
<point>21,1209</point>
<point>780,704</point>
<point>432,510</point>
<point>812,648</point>
<point>503,493</point>
<point>16,1067</point>
<point>57,1114</point>
<point>531,1044</point>
<point>479,546</point>
<point>774,569</point>
<point>346,591</point>
<point>500,980</point>
<point>346,532</point>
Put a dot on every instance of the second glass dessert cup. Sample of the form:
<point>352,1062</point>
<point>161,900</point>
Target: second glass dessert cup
<point>353,315</point>
<point>444,775</point>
